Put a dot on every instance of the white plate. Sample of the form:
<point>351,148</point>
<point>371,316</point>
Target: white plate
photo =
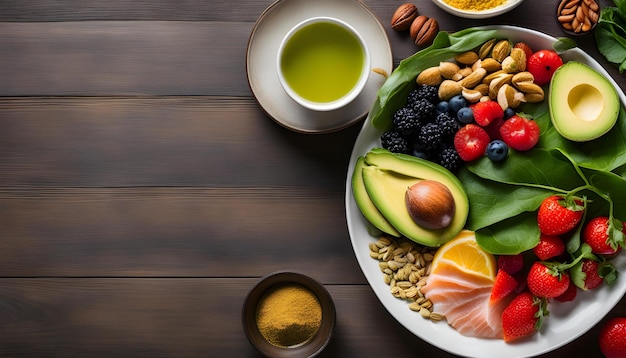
<point>484,14</point>
<point>269,30</point>
<point>566,322</point>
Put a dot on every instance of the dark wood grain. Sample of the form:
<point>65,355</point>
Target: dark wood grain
<point>143,191</point>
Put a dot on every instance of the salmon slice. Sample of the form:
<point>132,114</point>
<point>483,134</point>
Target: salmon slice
<point>464,299</point>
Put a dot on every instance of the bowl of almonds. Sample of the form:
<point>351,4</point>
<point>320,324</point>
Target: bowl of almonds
<point>578,17</point>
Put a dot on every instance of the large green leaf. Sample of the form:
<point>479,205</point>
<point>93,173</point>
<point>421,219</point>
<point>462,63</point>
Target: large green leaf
<point>512,236</point>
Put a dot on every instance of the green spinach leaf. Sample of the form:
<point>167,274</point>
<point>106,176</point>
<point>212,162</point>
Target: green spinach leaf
<point>511,236</point>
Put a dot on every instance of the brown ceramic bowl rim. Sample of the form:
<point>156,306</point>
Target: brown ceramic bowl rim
<point>309,349</point>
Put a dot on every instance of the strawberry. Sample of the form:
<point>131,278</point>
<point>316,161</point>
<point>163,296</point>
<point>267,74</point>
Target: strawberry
<point>524,46</point>
<point>549,247</point>
<point>592,274</point>
<point>493,129</point>
<point>542,65</point>
<point>545,280</point>
<point>470,142</point>
<point>503,286</point>
<point>487,112</point>
<point>512,264</point>
<point>604,239</point>
<point>558,215</point>
<point>569,294</point>
<point>520,133</point>
<point>611,339</point>
<point>523,316</point>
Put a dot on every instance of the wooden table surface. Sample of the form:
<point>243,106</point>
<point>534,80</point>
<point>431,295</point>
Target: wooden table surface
<point>143,191</point>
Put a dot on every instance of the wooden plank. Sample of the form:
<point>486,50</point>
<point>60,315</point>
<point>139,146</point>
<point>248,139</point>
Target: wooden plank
<point>176,141</point>
<point>174,232</point>
<point>124,58</point>
<point>188,318</point>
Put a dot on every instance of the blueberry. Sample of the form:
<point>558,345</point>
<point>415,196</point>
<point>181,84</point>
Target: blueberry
<point>456,103</point>
<point>443,107</point>
<point>497,150</point>
<point>508,113</point>
<point>465,115</point>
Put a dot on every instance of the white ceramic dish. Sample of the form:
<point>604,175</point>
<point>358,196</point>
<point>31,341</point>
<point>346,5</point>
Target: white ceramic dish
<point>484,14</point>
<point>566,322</point>
<point>263,45</point>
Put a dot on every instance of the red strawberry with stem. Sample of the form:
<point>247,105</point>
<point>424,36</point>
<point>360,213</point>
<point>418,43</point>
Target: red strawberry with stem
<point>605,236</point>
<point>559,214</point>
<point>611,339</point>
<point>549,247</point>
<point>470,142</point>
<point>547,280</point>
<point>523,316</point>
<point>520,133</point>
<point>487,112</point>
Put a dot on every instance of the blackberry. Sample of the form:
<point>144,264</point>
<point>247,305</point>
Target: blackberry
<point>449,158</point>
<point>429,93</point>
<point>424,110</point>
<point>430,137</point>
<point>449,126</point>
<point>394,142</point>
<point>406,122</point>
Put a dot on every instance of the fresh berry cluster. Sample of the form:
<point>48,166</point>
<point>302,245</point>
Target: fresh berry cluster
<point>425,129</point>
<point>452,132</point>
<point>530,281</point>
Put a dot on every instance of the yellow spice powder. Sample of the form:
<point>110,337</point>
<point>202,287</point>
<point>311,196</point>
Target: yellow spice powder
<point>475,5</point>
<point>289,315</point>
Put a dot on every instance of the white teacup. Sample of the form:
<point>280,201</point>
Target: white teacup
<point>323,63</point>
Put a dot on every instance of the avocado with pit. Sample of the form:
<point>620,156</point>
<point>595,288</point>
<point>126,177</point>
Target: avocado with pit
<point>386,177</point>
<point>364,203</point>
<point>584,105</point>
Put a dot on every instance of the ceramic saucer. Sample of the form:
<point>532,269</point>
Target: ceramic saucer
<point>263,45</point>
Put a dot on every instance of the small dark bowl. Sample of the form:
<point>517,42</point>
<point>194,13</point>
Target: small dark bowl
<point>308,349</point>
<point>571,31</point>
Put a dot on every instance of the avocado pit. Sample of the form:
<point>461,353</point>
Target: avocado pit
<point>430,204</point>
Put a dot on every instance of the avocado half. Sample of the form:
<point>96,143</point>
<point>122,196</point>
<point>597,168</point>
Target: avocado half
<point>379,184</point>
<point>584,105</point>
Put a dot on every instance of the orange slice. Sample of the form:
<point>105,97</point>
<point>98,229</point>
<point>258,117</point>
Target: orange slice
<point>464,253</point>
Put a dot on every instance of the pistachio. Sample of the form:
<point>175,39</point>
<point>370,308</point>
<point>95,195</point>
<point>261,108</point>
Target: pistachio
<point>496,83</point>
<point>529,87</point>
<point>403,17</point>
<point>524,76</point>
<point>508,96</point>
<point>501,50</point>
<point>490,64</point>
<point>533,97</point>
<point>423,30</point>
<point>430,76</point>
<point>485,49</point>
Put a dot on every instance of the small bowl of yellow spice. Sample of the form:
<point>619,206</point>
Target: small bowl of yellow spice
<point>288,314</point>
<point>477,9</point>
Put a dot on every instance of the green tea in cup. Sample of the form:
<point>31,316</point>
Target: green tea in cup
<point>323,63</point>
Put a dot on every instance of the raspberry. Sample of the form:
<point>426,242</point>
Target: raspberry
<point>520,133</point>
<point>470,142</point>
<point>487,112</point>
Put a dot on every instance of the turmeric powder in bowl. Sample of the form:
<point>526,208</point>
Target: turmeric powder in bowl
<point>477,9</point>
<point>288,314</point>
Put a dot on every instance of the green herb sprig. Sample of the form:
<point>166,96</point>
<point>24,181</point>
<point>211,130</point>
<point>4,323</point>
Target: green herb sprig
<point>610,34</point>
